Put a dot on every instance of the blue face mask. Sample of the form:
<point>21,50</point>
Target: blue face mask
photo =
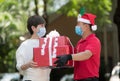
<point>41,32</point>
<point>78,30</point>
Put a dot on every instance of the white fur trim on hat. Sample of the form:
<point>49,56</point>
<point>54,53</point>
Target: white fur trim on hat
<point>94,27</point>
<point>83,20</point>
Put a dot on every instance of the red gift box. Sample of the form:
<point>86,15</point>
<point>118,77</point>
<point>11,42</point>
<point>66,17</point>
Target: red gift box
<point>45,55</point>
<point>61,40</point>
<point>47,58</point>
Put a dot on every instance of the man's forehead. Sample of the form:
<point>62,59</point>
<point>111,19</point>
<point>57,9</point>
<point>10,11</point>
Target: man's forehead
<point>80,22</point>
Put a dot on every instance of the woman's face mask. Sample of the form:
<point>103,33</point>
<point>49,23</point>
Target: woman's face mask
<point>41,32</point>
<point>78,30</point>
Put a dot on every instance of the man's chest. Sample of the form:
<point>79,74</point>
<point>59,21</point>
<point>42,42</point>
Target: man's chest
<point>81,46</point>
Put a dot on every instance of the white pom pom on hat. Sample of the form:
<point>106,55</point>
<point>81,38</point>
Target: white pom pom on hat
<point>89,19</point>
<point>94,27</point>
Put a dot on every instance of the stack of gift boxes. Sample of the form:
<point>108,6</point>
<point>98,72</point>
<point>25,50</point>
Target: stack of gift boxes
<point>51,47</point>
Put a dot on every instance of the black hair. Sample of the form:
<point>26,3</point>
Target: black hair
<point>90,26</point>
<point>34,20</point>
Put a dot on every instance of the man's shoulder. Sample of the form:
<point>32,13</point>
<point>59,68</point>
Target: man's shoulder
<point>94,40</point>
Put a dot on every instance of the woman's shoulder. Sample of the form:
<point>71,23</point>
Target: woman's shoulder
<point>24,44</point>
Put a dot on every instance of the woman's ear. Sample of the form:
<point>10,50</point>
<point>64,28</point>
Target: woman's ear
<point>33,28</point>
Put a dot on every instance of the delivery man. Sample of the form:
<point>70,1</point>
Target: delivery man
<point>87,51</point>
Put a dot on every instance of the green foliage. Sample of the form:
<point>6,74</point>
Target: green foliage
<point>12,25</point>
<point>101,8</point>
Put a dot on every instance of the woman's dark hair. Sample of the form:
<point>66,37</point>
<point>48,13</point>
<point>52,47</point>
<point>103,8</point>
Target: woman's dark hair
<point>34,21</point>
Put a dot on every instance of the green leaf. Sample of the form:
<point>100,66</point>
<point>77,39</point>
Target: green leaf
<point>82,11</point>
<point>1,1</point>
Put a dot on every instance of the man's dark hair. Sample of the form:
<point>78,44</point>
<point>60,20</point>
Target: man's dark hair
<point>34,21</point>
<point>90,26</point>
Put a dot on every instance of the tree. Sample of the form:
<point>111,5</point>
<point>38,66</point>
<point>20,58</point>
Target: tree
<point>11,27</point>
<point>116,20</point>
<point>101,8</point>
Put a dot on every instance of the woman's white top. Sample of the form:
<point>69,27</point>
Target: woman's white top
<point>24,54</point>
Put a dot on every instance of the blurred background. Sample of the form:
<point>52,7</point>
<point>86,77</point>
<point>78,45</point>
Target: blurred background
<point>62,16</point>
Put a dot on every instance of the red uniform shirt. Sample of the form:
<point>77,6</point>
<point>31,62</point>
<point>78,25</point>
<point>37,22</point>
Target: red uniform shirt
<point>90,67</point>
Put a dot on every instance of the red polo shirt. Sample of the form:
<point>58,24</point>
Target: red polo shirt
<point>90,67</point>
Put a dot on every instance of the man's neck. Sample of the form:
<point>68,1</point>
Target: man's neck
<point>86,34</point>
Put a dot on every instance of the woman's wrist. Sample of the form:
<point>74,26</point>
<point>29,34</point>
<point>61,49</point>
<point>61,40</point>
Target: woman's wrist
<point>25,66</point>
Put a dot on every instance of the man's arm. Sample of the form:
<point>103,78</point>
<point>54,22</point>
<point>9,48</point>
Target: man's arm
<point>82,55</point>
<point>62,60</point>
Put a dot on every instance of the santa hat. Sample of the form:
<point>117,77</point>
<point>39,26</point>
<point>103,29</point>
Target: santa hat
<point>89,19</point>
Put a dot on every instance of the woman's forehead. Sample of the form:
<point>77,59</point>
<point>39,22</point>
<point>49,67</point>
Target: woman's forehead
<point>41,25</point>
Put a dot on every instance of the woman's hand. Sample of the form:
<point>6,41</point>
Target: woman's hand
<point>30,64</point>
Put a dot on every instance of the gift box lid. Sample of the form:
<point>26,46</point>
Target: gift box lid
<point>60,40</point>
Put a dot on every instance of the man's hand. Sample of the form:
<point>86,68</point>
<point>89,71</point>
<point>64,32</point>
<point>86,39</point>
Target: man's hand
<point>62,60</point>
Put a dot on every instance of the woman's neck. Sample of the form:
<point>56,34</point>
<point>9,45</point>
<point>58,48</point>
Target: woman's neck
<point>34,36</point>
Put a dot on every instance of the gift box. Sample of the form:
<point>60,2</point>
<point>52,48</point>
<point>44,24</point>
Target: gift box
<point>60,40</point>
<point>45,55</point>
<point>47,58</point>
